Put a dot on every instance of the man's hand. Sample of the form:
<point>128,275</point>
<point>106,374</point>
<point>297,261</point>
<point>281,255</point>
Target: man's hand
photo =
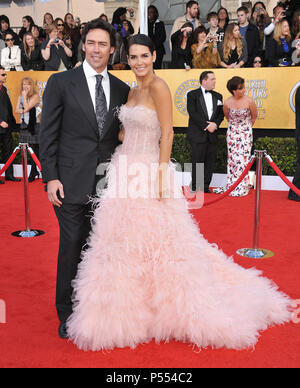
<point>53,188</point>
<point>212,127</point>
<point>3,124</point>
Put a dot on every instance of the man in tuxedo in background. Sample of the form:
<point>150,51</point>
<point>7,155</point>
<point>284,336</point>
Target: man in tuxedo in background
<point>7,123</point>
<point>293,196</point>
<point>79,131</point>
<point>205,108</point>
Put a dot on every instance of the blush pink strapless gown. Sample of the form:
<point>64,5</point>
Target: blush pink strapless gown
<point>148,273</point>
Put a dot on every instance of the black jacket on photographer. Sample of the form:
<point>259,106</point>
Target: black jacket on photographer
<point>57,55</point>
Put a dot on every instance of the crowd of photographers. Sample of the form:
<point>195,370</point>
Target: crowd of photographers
<point>255,40</point>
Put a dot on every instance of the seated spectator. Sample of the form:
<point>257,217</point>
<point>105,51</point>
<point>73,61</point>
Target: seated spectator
<point>37,33</point>
<point>181,47</point>
<point>31,56</point>
<point>157,33</point>
<point>258,62</point>
<point>11,55</point>
<point>250,33</point>
<point>233,50</point>
<point>296,25</point>
<point>119,16</point>
<point>279,49</point>
<point>62,32</point>
<point>56,53</point>
<point>5,29</point>
<point>223,22</point>
<point>27,22</point>
<point>205,51</point>
<point>260,18</point>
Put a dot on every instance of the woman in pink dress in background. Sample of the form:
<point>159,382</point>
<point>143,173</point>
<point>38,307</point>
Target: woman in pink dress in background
<point>241,113</point>
<point>147,272</point>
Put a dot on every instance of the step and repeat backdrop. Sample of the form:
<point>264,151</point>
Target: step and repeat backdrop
<point>272,89</point>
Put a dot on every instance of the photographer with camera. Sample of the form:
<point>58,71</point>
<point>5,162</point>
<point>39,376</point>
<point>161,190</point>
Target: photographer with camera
<point>57,55</point>
<point>205,51</point>
<point>279,14</point>
<point>279,49</point>
<point>182,42</point>
<point>261,19</point>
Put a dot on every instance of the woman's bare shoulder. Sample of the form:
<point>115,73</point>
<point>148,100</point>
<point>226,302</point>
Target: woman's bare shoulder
<point>159,86</point>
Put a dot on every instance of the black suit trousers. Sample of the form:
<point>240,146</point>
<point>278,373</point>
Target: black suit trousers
<point>6,142</point>
<point>296,180</point>
<point>75,226</point>
<point>204,153</point>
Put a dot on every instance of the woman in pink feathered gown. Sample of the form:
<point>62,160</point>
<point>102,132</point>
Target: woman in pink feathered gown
<point>147,272</point>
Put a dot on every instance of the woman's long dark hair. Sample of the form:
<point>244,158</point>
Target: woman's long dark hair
<point>142,40</point>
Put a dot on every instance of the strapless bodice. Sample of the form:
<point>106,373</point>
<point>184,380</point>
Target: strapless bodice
<point>240,117</point>
<point>142,129</point>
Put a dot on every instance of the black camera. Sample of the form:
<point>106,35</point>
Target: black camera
<point>56,40</point>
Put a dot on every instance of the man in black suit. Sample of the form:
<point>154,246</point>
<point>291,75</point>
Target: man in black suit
<point>7,123</point>
<point>79,131</point>
<point>293,196</point>
<point>205,108</point>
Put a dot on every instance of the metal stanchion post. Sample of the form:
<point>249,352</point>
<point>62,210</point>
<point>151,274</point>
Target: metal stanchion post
<point>256,252</point>
<point>27,233</point>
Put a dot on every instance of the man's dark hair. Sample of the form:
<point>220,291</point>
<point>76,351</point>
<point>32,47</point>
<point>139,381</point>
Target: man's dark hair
<point>191,3</point>
<point>234,83</point>
<point>243,9</point>
<point>204,76</point>
<point>1,68</point>
<point>212,15</point>
<point>99,24</point>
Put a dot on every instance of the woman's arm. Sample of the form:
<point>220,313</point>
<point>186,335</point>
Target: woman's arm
<point>28,105</point>
<point>226,110</point>
<point>18,110</point>
<point>163,103</point>
<point>253,110</point>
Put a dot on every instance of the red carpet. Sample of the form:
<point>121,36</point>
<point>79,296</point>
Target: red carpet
<point>28,272</point>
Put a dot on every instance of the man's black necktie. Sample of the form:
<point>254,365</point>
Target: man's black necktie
<point>101,104</point>
<point>207,91</point>
<point>9,55</point>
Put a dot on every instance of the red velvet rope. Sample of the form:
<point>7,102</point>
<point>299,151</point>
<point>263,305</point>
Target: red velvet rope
<point>230,190</point>
<point>10,160</point>
<point>34,157</point>
<point>282,176</point>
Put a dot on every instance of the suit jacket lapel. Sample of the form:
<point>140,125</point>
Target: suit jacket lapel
<point>83,97</point>
<point>202,102</point>
<point>215,104</point>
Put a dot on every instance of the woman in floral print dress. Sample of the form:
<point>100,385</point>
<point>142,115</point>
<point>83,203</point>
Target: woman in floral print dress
<point>241,113</point>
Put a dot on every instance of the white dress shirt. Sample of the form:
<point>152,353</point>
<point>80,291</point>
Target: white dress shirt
<point>90,75</point>
<point>208,102</point>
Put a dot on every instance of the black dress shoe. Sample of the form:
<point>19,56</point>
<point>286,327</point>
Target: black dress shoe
<point>294,198</point>
<point>62,331</point>
<point>2,183</point>
<point>207,191</point>
<point>13,179</point>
